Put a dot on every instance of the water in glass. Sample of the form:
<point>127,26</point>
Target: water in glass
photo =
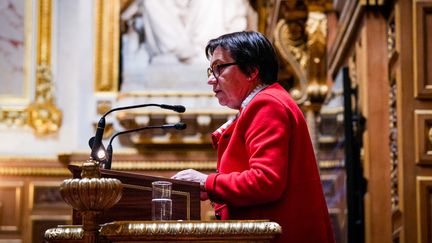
<point>161,209</point>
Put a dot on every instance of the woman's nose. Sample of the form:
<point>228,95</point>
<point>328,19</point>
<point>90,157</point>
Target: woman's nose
<point>211,80</point>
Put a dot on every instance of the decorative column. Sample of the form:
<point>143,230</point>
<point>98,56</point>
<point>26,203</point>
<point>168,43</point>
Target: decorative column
<point>91,195</point>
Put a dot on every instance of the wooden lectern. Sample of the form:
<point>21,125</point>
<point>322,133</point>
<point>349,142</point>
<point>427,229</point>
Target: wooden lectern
<point>128,221</point>
<point>135,203</point>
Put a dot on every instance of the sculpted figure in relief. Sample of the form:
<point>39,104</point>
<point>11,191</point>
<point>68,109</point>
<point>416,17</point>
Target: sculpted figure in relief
<point>174,32</point>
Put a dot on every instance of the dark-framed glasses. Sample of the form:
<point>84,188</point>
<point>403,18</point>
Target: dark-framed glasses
<point>217,69</point>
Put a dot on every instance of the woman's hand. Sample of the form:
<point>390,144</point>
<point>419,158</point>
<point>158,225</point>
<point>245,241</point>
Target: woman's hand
<point>191,175</point>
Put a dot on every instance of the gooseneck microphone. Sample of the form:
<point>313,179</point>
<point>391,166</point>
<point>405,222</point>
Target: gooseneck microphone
<point>97,141</point>
<point>176,108</point>
<point>177,126</point>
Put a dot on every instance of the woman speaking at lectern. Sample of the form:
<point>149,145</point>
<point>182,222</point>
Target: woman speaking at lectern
<point>266,166</point>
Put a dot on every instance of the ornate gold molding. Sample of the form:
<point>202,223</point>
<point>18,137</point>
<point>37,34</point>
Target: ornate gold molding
<point>292,50</point>
<point>107,14</point>
<point>31,166</point>
<point>197,229</point>
<point>91,195</point>
<point>328,164</point>
<point>316,27</point>
<point>29,171</point>
<point>375,3</point>
<point>41,114</point>
<point>65,232</point>
<point>300,40</point>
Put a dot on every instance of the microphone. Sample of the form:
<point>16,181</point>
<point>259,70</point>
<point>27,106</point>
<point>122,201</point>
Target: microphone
<point>177,108</point>
<point>97,147</point>
<point>97,152</point>
<point>177,126</point>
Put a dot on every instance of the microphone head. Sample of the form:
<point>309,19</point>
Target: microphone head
<point>91,142</point>
<point>176,108</point>
<point>180,126</point>
<point>179,108</point>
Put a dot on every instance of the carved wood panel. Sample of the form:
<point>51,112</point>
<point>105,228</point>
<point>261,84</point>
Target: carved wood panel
<point>11,197</point>
<point>46,195</point>
<point>424,208</point>
<point>423,136</point>
<point>423,49</point>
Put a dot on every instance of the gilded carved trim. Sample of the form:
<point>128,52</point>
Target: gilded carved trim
<point>301,44</point>
<point>65,232</point>
<point>44,32</point>
<point>199,231</point>
<point>42,115</point>
<point>375,3</point>
<point>29,171</point>
<point>330,164</point>
<point>187,229</point>
<point>266,10</point>
<point>107,14</point>
<point>293,54</point>
<point>391,39</point>
<point>316,28</point>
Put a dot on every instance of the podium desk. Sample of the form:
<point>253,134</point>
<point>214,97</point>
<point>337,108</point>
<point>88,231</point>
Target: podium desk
<point>135,203</point>
<point>128,220</point>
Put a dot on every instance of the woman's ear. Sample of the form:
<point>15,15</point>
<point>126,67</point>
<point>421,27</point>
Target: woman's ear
<point>253,75</point>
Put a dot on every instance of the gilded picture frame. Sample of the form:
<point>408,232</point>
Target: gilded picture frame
<point>35,107</point>
<point>106,45</point>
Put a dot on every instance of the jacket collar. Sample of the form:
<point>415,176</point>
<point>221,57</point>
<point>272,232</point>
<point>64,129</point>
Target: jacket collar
<point>216,135</point>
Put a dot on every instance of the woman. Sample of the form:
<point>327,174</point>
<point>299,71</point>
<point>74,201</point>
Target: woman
<point>266,167</point>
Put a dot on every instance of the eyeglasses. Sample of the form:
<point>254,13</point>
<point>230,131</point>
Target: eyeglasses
<point>217,69</point>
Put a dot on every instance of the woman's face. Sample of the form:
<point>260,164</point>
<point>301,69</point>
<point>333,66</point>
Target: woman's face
<point>230,85</point>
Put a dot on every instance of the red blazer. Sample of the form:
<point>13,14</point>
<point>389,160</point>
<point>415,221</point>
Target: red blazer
<point>267,170</point>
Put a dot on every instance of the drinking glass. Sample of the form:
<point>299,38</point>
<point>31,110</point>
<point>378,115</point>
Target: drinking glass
<point>161,200</point>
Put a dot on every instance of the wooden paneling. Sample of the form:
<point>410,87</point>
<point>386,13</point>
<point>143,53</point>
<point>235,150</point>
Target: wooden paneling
<point>29,199</point>
<point>423,48</point>
<point>424,208</point>
<point>405,119</point>
<point>46,195</point>
<point>11,196</point>
<point>372,70</point>
<point>423,136</point>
